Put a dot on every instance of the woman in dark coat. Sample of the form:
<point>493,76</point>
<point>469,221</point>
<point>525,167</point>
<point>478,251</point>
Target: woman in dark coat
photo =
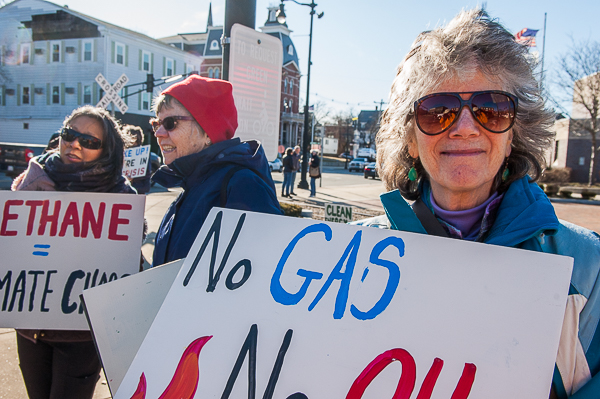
<point>89,158</point>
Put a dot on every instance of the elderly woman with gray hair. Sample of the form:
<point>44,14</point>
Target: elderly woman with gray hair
<point>464,138</point>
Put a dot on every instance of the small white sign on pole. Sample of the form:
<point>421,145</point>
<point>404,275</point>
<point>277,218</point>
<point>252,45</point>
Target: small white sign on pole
<point>338,213</point>
<point>56,244</point>
<point>296,308</point>
<point>111,92</point>
<point>255,72</point>
<point>136,161</point>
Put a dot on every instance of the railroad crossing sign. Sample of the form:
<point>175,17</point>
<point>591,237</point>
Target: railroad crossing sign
<point>111,92</point>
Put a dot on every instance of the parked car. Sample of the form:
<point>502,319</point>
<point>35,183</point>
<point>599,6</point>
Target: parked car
<point>357,164</point>
<point>371,170</point>
<point>276,165</point>
<point>346,155</point>
<point>368,153</point>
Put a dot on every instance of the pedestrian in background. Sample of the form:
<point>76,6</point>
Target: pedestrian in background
<point>296,162</point>
<point>314,172</point>
<point>89,158</point>
<point>288,170</point>
<point>195,123</point>
<point>140,183</point>
<point>464,137</point>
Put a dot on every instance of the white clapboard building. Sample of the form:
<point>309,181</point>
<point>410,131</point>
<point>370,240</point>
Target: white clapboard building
<point>50,56</point>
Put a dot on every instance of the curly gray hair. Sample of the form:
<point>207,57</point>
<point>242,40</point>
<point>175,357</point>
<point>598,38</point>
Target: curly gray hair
<point>470,43</point>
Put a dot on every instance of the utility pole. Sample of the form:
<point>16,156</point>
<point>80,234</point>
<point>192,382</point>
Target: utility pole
<point>241,12</point>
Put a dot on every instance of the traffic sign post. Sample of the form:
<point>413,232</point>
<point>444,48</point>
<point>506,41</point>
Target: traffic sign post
<point>111,92</point>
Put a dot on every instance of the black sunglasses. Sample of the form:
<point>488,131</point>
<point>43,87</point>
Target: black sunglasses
<point>85,140</point>
<point>494,110</point>
<point>169,123</point>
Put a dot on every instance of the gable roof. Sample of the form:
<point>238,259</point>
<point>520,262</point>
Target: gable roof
<point>40,7</point>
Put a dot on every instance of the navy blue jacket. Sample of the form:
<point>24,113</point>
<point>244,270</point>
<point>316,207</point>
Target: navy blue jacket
<point>201,176</point>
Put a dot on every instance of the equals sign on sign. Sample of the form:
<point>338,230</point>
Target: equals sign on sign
<point>41,246</point>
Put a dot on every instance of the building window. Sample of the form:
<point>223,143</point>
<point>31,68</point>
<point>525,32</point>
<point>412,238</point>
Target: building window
<point>55,52</point>
<point>87,94</point>
<point>285,85</point>
<point>26,126</point>
<point>25,53</point>
<point>290,50</point>
<point>1,95</point>
<point>285,105</point>
<point>146,101</point>
<point>25,95</point>
<point>291,86</point>
<point>581,161</point>
<point>217,73</point>
<point>272,15</point>
<point>210,73</point>
<point>169,71</point>
<point>87,50</point>
<point>214,45</point>
<point>146,61</point>
<point>291,105</point>
<point>55,94</point>
<point>120,49</point>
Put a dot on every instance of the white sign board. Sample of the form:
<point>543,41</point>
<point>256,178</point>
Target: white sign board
<point>338,213</point>
<point>302,309</point>
<point>56,244</point>
<point>111,92</point>
<point>136,161</point>
<point>255,66</point>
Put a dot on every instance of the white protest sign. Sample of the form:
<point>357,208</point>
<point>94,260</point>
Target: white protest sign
<point>55,244</point>
<point>111,92</point>
<point>123,312</point>
<point>136,161</point>
<point>338,213</point>
<point>255,66</point>
<point>298,309</point>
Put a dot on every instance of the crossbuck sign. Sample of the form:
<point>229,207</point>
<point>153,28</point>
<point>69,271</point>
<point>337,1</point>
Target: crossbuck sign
<point>111,92</point>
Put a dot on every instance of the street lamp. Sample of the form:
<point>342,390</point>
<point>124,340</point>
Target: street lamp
<point>306,134</point>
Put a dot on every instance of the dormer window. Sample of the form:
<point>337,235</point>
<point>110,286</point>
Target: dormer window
<point>272,15</point>
<point>290,50</point>
<point>214,45</point>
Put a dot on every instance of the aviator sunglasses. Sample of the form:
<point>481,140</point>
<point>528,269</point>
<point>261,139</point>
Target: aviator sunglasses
<point>85,140</point>
<point>169,123</point>
<point>494,110</point>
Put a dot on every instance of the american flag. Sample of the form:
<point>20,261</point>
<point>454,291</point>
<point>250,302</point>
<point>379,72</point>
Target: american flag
<point>526,37</point>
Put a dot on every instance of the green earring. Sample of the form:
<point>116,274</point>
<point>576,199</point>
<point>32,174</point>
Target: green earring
<point>412,173</point>
<point>506,172</point>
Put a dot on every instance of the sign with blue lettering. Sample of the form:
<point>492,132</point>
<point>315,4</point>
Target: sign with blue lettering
<point>136,161</point>
<point>56,244</point>
<point>292,308</point>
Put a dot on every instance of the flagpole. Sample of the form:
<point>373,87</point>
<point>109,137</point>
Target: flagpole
<point>543,52</point>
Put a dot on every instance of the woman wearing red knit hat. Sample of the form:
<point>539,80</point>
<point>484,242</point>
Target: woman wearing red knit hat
<point>195,123</point>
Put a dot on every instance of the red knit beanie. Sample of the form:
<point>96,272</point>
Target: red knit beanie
<point>210,101</point>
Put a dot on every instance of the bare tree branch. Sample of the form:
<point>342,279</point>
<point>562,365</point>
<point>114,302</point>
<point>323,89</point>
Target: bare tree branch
<point>578,77</point>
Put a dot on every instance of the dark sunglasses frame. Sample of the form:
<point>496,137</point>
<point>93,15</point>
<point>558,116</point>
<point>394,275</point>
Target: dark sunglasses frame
<point>166,122</point>
<point>469,103</point>
<point>85,140</point>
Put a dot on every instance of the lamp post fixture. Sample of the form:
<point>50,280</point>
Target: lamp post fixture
<point>306,134</point>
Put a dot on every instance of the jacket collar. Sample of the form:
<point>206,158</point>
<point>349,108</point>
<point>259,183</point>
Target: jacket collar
<point>525,212</point>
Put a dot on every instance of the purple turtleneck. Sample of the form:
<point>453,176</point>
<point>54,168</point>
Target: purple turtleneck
<point>467,221</point>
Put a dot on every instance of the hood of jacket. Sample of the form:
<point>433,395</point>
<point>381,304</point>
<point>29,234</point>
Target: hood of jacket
<point>191,169</point>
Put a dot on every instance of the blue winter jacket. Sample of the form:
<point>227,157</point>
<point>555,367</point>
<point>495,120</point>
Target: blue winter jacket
<point>526,219</point>
<point>201,175</point>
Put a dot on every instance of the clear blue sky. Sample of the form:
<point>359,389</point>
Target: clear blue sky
<point>358,44</point>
